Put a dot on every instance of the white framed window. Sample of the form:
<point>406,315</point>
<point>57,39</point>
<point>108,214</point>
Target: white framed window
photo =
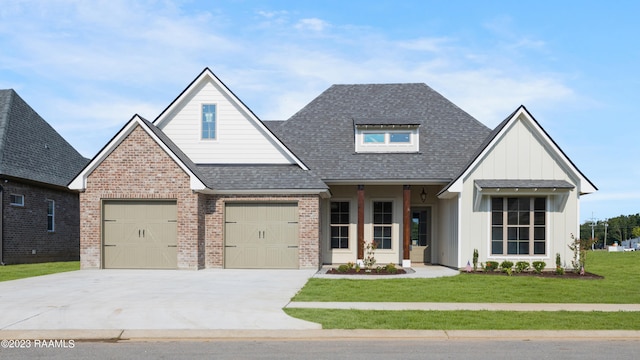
<point>383,224</point>
<point>339,223</point>
<point>518,225</point>
<point>51,213</point>
<point>209,121</point>
<point>16,200</point>
<point>387,139</point>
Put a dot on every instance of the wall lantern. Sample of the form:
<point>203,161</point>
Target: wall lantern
<point>423,195</point>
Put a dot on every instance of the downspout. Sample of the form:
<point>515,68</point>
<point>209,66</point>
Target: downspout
<point>1,221</point>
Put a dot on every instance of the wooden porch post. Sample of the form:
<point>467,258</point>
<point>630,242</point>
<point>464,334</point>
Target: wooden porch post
<point>360,225</point>
<point>406,221</point>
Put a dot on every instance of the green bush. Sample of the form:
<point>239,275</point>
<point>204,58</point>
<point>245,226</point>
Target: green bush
<point>506,265</point>
<point>559,268</point>
<point>538,266</point>
<point>475,259</point>
<point>522,266</point>
<point>491,265</point>
<point>343,268</point>
<point>350,265</point>
<point>391,268</point>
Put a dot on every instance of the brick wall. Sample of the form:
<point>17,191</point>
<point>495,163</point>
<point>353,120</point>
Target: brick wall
<point>139,169</point>
<point>308,228</point>
<point>24,230</point>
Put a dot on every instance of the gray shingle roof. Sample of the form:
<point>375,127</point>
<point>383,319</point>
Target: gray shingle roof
<point>322,133</point>
<point>30,148</point>
<point>259,177</point>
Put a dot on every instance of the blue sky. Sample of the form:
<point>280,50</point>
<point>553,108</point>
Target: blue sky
<point>88,66</point>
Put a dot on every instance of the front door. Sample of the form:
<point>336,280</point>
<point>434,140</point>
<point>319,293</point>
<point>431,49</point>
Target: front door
<point>420,235</point>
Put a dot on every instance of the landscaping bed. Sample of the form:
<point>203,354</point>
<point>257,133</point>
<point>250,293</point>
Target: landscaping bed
<point>542,274</point>
<point>383,271</point>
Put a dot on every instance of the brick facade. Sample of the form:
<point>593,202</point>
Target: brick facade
<point>139,169</point>
<point>25,235</point>
<point>308,226</point>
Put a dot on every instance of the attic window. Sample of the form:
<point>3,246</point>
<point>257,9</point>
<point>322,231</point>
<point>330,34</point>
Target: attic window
<point>209,121</point>
<point>386,138</point>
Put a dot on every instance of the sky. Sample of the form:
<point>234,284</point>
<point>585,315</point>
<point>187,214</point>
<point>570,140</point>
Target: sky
<point>88,66</point>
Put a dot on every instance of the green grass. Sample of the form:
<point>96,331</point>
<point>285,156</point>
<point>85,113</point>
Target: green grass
<point>621,285</point>
<point>469,320</point>
<point>13,272</point>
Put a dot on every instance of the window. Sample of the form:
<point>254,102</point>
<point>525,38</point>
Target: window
<point>518,226</point>
<point>51,206</point>
<point>209,121</point>
<point>382,223</point>
<point>371,138</point>
<point>339,225</point>
<point>17,200</point>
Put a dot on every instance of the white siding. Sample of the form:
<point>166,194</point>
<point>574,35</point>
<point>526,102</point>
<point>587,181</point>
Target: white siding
<point>239,140</point>
<point>523,154</point>
<point>446,246</point>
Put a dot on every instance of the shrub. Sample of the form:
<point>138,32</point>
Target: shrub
<point>538,266</point>
<point>507,266</point>
<point>522,266</point>
<point>491,265</point>
<point>559,268</point>
<point>350,265</point>
<point>343,268</point>
<point>475,259</point>
<point>391,268</point>
<point>369,259</point>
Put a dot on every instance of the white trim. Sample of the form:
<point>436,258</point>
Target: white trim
<point>324,193</point>
<point>215,121</point>
<point>459,232</point>
<point>412,146</point>
<point>80,181</point>
<point>53,216</point>
<point>208,75</point>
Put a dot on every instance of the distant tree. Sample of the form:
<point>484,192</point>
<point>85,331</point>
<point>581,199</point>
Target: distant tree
<point>636,232</point>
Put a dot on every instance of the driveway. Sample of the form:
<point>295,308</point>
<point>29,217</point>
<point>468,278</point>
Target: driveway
<point>153,299</point>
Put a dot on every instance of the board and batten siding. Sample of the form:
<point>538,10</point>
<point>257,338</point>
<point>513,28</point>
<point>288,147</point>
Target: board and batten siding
<point>521,154</point>
<point>239,140</point>
<point>446,244</point>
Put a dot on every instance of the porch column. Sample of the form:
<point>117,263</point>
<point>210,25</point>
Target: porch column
<point>360,222</point>
<point>406,225</point>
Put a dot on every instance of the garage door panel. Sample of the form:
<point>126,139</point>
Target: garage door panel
<point>261,235</point>
<point>140,234</point>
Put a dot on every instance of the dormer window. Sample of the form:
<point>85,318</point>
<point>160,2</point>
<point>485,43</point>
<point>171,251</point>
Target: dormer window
<point>209,121</point>
<point>386,138</point>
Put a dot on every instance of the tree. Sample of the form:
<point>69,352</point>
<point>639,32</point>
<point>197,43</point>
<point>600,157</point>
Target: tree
<point>636,232</point>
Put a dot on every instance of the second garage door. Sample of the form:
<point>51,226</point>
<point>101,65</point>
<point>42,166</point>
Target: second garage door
<point>261,235</point>
<point>140,234</point>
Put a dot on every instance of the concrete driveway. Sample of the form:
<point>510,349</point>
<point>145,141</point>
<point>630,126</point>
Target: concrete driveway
<point>153,299</point>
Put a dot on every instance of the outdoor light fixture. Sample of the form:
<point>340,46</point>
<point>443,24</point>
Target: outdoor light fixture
<point>423,195</point>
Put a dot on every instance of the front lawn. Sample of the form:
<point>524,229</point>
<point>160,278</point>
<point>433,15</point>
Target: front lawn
<point>621,285</point>
<point>13,272</point>
<point>468,320</point>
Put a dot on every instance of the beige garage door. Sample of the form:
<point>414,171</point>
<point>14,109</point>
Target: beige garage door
<point>140,234</point>
<point>261,236</point>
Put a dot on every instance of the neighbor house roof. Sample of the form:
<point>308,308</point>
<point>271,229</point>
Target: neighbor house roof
<point>322,134</point>
<point>30,148</point>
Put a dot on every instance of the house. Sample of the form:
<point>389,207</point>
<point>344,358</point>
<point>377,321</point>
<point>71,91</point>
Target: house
<point>39,215</point>
<point>208,184</point>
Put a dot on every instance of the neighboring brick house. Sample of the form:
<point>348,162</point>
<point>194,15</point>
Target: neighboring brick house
<point>208,184</point>
<point>40,216</point>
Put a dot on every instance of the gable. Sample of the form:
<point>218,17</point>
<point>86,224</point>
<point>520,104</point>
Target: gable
<point>239,138</point>
<point>520,149</point>
<point>143,150</point>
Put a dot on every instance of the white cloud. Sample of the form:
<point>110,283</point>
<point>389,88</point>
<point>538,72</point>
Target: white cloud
<point>312,24</point>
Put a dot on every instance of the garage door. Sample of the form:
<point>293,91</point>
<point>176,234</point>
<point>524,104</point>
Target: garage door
<point>261,235</point>
<point>140,235</point>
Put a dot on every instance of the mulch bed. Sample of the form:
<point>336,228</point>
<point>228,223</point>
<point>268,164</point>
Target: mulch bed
<point>334,271</point>
<point>544,274</point>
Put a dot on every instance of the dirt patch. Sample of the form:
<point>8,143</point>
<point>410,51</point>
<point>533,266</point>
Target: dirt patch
<point>543,274</point>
